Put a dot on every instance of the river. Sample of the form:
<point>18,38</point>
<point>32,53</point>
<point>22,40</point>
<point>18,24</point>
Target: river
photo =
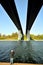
<point>25,51</point>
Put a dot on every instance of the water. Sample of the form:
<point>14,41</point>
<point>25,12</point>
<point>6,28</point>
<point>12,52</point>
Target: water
<point>25,51</point>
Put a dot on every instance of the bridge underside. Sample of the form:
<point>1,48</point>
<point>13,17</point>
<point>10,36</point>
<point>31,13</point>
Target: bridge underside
<point>10,8</point>
<point>34,7</point>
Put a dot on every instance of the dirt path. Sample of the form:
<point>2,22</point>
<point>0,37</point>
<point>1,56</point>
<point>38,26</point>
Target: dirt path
<point>18,64</point>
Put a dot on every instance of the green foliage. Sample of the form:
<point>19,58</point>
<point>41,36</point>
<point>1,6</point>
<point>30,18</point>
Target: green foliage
<point>38,37</point>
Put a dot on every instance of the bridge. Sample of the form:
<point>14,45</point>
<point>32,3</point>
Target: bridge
<point>34,7</point>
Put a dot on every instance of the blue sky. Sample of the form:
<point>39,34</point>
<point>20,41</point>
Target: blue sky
<point>8,27</point>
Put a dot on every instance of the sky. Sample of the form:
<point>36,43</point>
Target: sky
<point>8,27</point>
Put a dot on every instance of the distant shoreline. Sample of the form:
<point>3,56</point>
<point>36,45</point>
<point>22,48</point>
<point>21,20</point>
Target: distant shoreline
<point>37,40</point>
<point>8,40</point>
<point>21,40</point>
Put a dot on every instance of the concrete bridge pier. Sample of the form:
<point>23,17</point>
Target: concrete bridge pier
<point>28,35</point>
<point>20,35</point>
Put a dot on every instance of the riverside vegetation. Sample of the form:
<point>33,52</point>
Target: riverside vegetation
<point>14,36</point>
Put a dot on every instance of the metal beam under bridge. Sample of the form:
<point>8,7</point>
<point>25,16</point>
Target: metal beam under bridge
<point>10,8</point>
<point>34,7</point>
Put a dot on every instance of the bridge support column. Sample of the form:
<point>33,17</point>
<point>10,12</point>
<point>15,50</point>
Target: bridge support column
<point>19,35</point>
<point>28,35</point>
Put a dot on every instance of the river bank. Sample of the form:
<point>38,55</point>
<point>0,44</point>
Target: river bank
<point>18,64</point>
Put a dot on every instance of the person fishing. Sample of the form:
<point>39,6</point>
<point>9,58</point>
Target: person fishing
<point>11,57</point>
